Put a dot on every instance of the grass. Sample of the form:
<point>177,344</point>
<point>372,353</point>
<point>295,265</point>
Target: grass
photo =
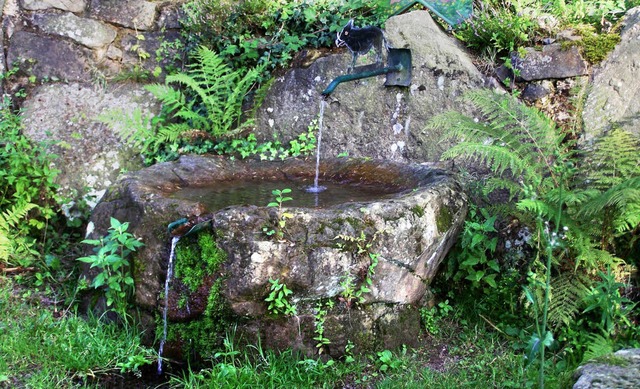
<point>463,356</point>
<point>42,347</point>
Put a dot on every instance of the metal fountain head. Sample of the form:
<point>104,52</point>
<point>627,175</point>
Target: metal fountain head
<point>398,71</point>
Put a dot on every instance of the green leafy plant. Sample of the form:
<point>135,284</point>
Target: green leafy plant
<point>388,362</point>
<point>110,258</point>
<point>358,246</point>
<point>527,157</point>
<point>214,100</point>
<point>282,216</point>
<point>320,314</point>
<point>497,26</point>
<point>473,259</point>
<point>605,299</point>
<point>278,299</point>
<point>28,197</point>
<point>251,32</point>
<point>206,106</point>
<point>304,144</point>
<point>431,317</point>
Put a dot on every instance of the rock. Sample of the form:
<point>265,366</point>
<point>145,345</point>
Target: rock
<point>621,370</point>
<point>365,118</point>
<point>162,47</point>
<point>553,61</point>
<point>2,59</point>
<point>87,32</point>
<point>90,154</point>
<point>76,6</point>
<point>48,58</point>
<point>533,92</point>
<point>410,233</point>
<point>614,97</point>
<point>135,14</point>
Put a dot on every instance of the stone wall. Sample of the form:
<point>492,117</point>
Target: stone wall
<point>87,40</point>
<point>76,60</point>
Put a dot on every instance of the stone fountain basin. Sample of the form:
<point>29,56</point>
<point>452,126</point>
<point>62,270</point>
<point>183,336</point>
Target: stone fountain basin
<point>410,230</point>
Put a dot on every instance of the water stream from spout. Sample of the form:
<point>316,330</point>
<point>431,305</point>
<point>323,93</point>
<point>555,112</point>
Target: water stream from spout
<point>317,188</point>
<point>174,242</point>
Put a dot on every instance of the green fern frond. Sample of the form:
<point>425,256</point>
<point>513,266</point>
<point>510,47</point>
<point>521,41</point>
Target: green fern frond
<point>12,243</point>
<point>498,183</point>
<point>593,258</point>
<point>495,157</point>
<point>537,207</point>
<point>133,127</point>
<point>11,218</point>
<point>510,137</point>
<point>623,198</point>
<point>567,293</point>
<point>614,159</point>
<point>598,346</point>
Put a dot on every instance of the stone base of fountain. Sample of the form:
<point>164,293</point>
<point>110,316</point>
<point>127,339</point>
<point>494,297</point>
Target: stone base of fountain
<point>320,253</point>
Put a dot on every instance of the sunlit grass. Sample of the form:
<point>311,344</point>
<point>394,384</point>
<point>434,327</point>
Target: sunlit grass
<point>40,350</point>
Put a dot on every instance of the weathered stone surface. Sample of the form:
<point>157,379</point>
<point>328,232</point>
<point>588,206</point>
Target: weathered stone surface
<point>620,370</point>
<point>65,5</point>
<point>552,61</point>
<point>614,97</point>
<point>136,14</point>
<point>169,16</point>
<point>91,155</point>
<point>46,57</point>
<point>2,61</point>
<point>88,32</point>
<point>533,92</point>
<point>413,231</point>
<point>163,56</point>
<point>365,118</point>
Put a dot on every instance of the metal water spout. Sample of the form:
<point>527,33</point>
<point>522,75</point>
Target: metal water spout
<point>187,226</point>
<point>398,71</point>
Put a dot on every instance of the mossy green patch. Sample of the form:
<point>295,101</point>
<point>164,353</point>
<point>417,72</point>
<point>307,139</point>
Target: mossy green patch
<point>444,219</point>
<point>417,210</point>
<point>203,336</point>
<point>196,259</point>
<point>595,47</point>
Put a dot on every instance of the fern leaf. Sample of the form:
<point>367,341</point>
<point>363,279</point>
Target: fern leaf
<point>10,242</point>
<point>598,346</point>
<point>567,293</point>
<point>495,157</point>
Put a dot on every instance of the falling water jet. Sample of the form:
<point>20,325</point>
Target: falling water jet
<point>174,242</point>
<point>317,188</point>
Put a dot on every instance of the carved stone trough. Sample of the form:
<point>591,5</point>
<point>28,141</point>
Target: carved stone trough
<point>367,263</point>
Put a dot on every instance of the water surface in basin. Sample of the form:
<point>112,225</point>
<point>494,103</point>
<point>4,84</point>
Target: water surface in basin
<point>259,192</point>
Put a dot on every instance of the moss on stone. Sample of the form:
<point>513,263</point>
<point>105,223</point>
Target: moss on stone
<point>417,210</point>
<point>200,337</point>
<point>196,259</point>
<point>444,219</point>
<point>595,47</point>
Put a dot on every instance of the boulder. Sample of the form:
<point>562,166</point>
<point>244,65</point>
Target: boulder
<point>552,61</point>
<point>406,232</point>
<point>76,6</point>
<point>365,118</point>
<point>87,32</point>
<point>91,155</point>
<point>614,96</point>
<point>621,370</point>
<point>135,14</point>
<point>48,58</point>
